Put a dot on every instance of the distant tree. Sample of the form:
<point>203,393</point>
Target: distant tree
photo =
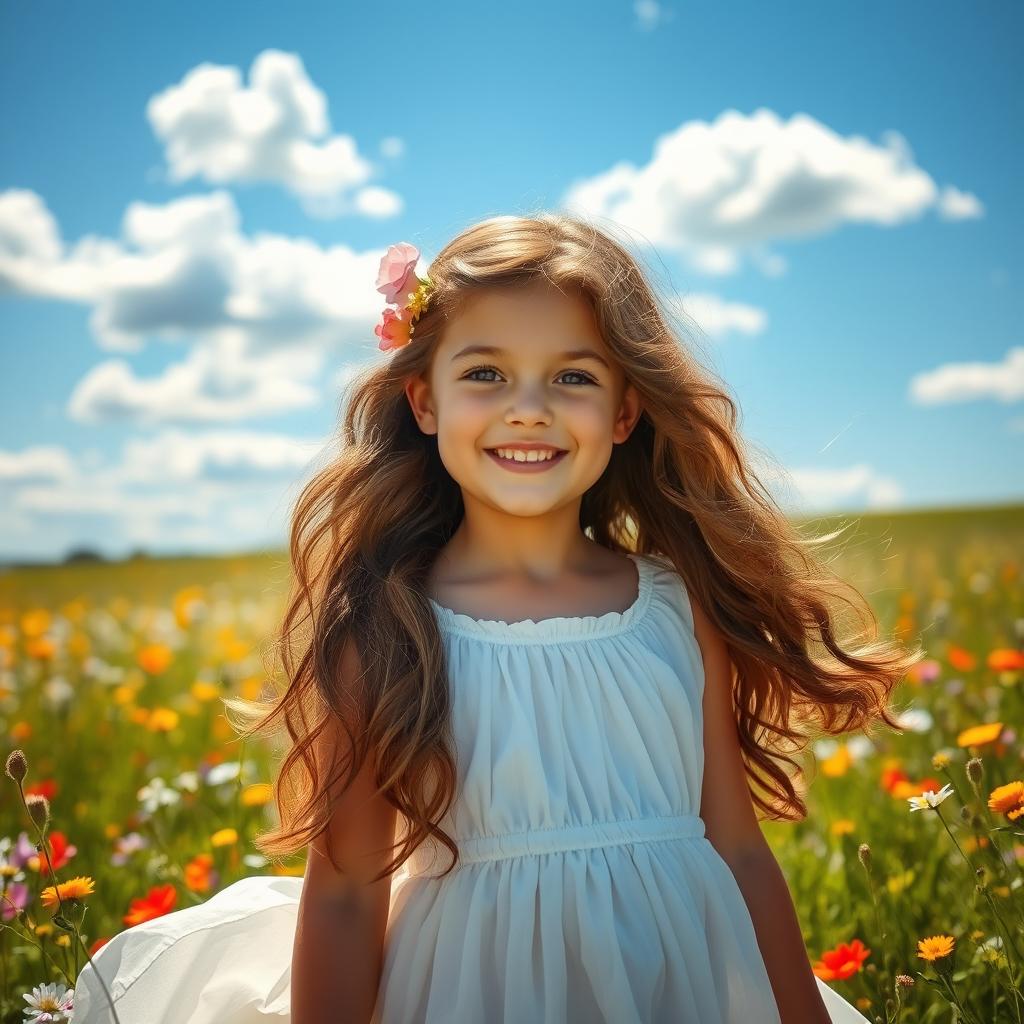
<point>84,555</point>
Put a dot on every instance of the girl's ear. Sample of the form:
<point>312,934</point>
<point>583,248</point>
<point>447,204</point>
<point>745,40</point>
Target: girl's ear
<point>421,401</point>
<point>630,410</point>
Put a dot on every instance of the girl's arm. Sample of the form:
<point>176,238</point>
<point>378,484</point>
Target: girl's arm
<point>339,939</point>
<point>731,826</point>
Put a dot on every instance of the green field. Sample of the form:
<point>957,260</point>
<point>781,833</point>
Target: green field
<point>111,676</point>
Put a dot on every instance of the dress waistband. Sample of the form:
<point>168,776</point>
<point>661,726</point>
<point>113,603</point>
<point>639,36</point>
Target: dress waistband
<point>560,839</point>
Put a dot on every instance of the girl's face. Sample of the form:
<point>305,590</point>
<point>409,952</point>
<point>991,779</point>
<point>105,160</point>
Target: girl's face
<point>535,384</point>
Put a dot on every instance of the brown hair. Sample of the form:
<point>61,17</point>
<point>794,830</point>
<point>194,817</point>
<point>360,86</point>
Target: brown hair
<point>368,526</point>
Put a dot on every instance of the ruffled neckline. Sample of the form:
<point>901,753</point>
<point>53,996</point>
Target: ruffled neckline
<point>559,628</point>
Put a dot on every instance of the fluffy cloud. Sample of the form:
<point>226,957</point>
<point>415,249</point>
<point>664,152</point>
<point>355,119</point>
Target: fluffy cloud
<point>217,383</point>
<point>38,463</point>
<point>172,491</point>
<point>717,317</point>
<point>275,129</point>
<point>964,382</point>
<point>853,487</point>
<point>721,191</point>
<point>263,313</point>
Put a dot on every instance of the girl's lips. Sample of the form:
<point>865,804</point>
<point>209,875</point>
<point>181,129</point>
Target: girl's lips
<point>526,467</point>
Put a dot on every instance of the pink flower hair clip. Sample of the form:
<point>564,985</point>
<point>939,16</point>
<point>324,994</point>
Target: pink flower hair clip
<point>401,286</point>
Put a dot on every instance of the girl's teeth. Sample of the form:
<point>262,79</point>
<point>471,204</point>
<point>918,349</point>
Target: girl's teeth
<point>521,456</point>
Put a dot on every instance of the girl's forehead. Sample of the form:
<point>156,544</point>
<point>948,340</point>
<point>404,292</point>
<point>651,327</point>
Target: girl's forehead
<point>532,311</point>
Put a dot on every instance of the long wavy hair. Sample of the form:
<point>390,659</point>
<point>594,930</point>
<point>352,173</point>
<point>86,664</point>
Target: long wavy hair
<point>367,527</point>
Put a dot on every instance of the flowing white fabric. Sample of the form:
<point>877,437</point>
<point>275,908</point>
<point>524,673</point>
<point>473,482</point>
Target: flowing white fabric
<point>586,891</point>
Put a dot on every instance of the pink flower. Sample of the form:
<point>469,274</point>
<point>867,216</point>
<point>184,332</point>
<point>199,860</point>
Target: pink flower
<point>397,276</point>
<point>392,330</point>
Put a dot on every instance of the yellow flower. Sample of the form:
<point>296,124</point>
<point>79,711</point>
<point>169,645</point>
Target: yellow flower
<point>204,691</point>
<point>936,947</point>
<point>842,827</point>
<point>73,889</point>
<point>257,794</point>
<point>35,622</point>
<point>838,764</point>
<point>225,837</point>
<point>162,720</point>
<point>898,883</point>
<point>941,760</point>
<point>976,735</point>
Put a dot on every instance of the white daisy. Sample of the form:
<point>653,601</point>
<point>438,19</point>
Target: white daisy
<point>48,1003</point>
<point>929,799</point>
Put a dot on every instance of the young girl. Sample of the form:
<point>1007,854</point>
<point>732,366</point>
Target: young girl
<point>546,628</point>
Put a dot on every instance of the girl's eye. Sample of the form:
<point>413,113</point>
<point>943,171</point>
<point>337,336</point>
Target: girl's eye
<point>587,379</point>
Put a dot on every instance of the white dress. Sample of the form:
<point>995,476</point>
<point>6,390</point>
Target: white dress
<point>587,890</point>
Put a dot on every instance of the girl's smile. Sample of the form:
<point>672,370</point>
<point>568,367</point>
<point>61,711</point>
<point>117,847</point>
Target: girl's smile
<point>525,463</point>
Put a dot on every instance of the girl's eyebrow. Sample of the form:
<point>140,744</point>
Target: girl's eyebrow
<point>491,350</point>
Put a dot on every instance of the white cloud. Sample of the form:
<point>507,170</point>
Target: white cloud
<point>218,383</point>
<point>717,317</point>
<point>650,14</point>
<point>857,486</point>
<point>40,462</point>
<point>176,457</point>
<point>185,267</point>
<point>719,192</point>
<point>957,205</point>
<point>964,382</point>
<point>275,129</point>
<point>263,312</point>
<point>215,490</point>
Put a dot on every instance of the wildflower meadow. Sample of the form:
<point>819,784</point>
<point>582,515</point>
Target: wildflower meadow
<point>127,795</point>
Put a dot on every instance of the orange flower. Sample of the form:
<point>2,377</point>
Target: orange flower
<point>1005,659</point>
<point>73,889</point>
<point>936,947</point>
<point>843,961</point>
<point>41,647</point>
<point>977,735</point>
<point>960,658</point>
<point>154,658</point>
<point>1008,800</point>
<point>160,900</point>
<point>199,872</point>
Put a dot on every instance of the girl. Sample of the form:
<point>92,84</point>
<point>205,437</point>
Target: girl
<point>545,629</point>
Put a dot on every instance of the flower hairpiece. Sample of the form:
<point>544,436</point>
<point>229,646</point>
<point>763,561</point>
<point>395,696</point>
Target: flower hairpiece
<point>401,286</point>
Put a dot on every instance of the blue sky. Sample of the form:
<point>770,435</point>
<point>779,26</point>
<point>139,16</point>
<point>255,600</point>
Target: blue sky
<point>194,199</point>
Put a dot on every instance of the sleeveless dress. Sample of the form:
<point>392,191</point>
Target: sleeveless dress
<point>587,891</point>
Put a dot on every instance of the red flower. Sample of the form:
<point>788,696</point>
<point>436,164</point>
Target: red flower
<point>160,900</point>
<point>839,963</point>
